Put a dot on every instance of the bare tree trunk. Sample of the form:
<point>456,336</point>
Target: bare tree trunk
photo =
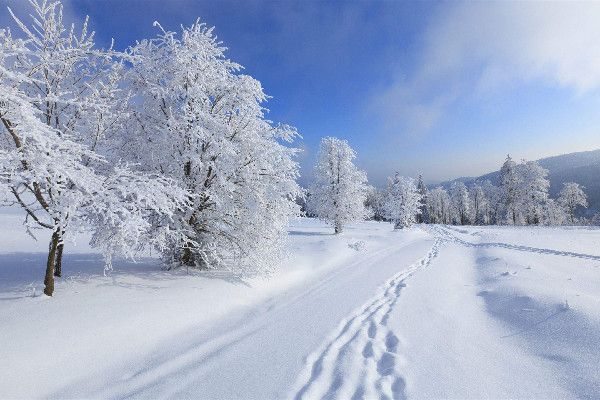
<point>49,278</point>
<point>58,262</point>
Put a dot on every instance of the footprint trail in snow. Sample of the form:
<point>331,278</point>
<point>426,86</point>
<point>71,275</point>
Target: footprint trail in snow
<point>362,360</point>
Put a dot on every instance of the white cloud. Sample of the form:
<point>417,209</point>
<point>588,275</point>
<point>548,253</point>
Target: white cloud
<point>485,46</point>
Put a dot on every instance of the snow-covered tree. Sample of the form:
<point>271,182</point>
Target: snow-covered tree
<point>339,191</point>
<point>480,205</point>
<point>423,216</point>
<point>462,204</point>
<point>533,191</point>
<point>553,213</point>
<point>302,203</point>
<point>595,220</point>
<point>494,202</point>
<point>375,203</point>
<point>58,101</point>
<point>509,186</point>
<point>570,197</point>
<point>200,122</point>
<point>402,201</point>
<point>439,206</point>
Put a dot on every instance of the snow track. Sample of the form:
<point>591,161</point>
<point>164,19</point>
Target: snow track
<point>362,359</point>
<point>444,232</point>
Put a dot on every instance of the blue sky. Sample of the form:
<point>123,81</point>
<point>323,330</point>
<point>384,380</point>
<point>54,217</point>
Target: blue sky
<point>443,89</point>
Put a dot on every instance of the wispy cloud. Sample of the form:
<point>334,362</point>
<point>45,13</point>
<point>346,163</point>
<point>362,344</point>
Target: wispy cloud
<point>484,47</point>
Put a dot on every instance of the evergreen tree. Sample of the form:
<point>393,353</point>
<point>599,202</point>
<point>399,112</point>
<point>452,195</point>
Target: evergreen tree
<point>423,216</point>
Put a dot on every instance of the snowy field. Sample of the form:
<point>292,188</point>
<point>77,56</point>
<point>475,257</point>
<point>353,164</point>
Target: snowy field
<point>427,312</point>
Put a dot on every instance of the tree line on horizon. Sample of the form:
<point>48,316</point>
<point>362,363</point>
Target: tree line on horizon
<point>340,194</point>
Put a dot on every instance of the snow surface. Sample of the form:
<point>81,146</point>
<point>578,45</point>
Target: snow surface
<point>432,311</point>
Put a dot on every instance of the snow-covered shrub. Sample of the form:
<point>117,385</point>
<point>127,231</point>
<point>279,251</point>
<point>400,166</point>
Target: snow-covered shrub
<point>358,245</point>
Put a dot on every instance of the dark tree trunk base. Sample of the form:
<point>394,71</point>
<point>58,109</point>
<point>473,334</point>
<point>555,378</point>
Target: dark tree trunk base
<point>58,262</point>
<point>49,278</point>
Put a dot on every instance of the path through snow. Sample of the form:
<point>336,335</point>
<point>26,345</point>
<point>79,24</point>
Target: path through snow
<point>362,360</point>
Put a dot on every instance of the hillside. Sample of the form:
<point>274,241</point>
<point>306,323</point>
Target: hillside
<point>582,167</point>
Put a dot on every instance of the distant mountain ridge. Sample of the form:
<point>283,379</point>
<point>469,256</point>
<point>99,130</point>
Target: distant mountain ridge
<point>581,167</point>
